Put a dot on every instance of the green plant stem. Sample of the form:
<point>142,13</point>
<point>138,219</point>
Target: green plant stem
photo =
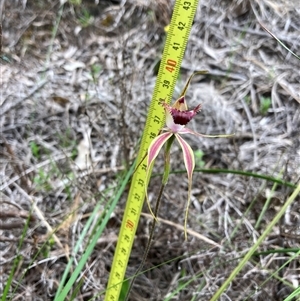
<point>265,207</point>
<point>162,187</point>
<point>167,160</point>
<point>148,243</point>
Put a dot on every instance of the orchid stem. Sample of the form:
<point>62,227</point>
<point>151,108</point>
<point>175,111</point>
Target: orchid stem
<point>162,187</point>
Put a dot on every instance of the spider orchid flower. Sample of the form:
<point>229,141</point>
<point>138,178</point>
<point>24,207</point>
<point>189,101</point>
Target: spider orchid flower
<point>177,117</point>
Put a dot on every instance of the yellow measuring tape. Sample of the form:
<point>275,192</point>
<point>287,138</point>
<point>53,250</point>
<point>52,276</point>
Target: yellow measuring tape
<point>178,33</point>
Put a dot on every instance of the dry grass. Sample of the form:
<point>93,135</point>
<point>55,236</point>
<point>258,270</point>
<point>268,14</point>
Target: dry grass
<point>72,112</point>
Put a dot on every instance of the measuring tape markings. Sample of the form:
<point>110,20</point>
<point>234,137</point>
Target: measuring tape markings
<point>177,37</point>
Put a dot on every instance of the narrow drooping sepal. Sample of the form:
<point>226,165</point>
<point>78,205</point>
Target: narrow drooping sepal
<point>153,151</point>
<point>189,131</point>
<point>189,162</point>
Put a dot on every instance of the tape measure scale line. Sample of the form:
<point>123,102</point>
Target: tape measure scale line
<point>180,26</point>
<point>176,41</point>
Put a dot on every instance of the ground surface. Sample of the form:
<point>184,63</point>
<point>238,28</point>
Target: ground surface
<point>74,101</point>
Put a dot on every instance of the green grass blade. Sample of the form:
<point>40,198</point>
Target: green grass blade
<point>237,172</point>
<point>63,294</point>
<point>182,286</point>
<point>255,246</point>
<point>275,275</point>
<point>76,249</point>
<point>277,251</point>
<point>10,278</point>
<point>265,207</point>
<point>295,293</point>
<point>279,41</point>
<point>16,261</point>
